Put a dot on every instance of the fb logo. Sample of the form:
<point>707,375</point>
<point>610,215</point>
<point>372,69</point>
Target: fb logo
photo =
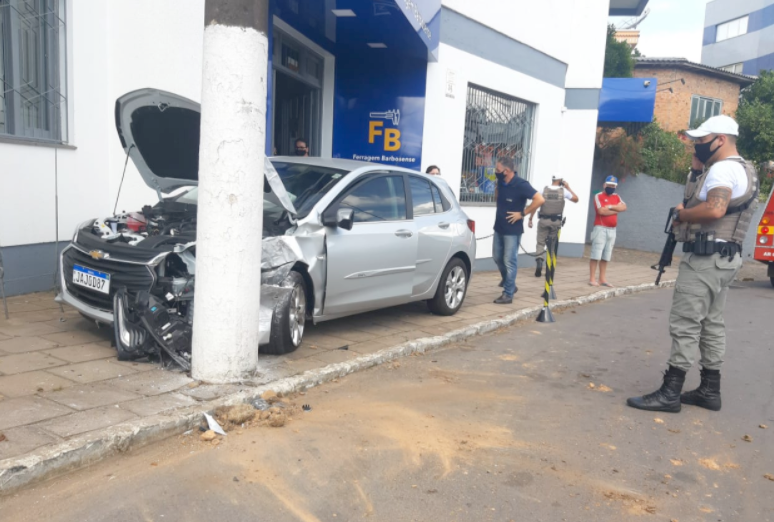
<point>391,136</point>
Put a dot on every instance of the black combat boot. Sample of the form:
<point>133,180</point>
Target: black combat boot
<point>707,395</point>
<point>539,269</point>
<point>666,398</point>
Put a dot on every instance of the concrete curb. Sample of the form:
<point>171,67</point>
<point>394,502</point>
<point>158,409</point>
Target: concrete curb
<point>51,461</point>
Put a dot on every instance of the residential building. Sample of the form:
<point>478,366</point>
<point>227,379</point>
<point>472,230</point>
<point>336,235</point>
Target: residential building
<point>469,80</point>
<point>689,92</point>
<point>630,36</point>
<point>739,35</point>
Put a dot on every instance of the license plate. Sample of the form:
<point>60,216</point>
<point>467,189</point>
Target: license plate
<point>91,279</point>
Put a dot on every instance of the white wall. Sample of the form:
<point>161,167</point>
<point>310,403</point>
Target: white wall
<point>445,122</point>
<point>27,172</point>
<point>166,55</point>
<point>572,31</point>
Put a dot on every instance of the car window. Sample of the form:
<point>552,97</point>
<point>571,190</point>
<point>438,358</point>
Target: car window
<point>380,199</point>
<point>437,200</point>
<point>422,197</point>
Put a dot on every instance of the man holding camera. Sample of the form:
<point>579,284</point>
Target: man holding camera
<point>720,199</point>
<point>550,217</point>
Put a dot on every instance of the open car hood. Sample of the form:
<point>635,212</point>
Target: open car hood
<point>160,131</point>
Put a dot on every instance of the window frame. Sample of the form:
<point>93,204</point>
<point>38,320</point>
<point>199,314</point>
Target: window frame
<point>430,185</point>
<point>731,68</point>
<point>728,26</point>
<point>705,99</point>
<point>49,73</point>
<point>492,115</point>
<point>371,176</point>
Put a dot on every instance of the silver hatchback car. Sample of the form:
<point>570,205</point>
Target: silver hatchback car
<point>340,237</point>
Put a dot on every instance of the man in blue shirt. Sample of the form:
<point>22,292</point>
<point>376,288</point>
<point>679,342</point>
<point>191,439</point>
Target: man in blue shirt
<point>512,193</point>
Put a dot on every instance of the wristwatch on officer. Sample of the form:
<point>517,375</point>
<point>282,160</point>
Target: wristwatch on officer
<point>676,214</point>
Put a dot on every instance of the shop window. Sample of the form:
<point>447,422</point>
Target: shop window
<point>735,68</point>
<point>33,98</point>
<point>731,29</point>
<point>495,125</point>
<point>702,109</point>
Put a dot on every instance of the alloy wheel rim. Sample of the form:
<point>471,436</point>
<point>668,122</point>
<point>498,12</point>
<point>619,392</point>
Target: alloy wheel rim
<point>297,315</point>
<point>455,287</point>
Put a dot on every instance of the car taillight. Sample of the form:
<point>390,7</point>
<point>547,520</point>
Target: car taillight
<point>472,225</point>
<point>765,230</point>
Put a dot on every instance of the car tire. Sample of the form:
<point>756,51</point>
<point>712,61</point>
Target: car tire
<point>452,289</point>
<point>289,319</point>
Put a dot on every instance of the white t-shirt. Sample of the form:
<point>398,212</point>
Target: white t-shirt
<point>729,174</point>
<point>567,193</point>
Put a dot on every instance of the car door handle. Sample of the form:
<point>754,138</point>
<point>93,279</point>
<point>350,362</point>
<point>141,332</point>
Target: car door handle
<point>443,225</point>
<point>404,233</point>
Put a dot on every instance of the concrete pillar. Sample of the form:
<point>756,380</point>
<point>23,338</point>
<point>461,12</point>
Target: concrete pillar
<point>230,215</point>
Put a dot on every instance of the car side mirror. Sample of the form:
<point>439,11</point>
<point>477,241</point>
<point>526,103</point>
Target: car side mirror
<point>336,217</point>
<point>345,218</point>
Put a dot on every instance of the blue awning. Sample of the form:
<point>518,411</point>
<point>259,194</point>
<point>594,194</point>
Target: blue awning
<point>627,99</point>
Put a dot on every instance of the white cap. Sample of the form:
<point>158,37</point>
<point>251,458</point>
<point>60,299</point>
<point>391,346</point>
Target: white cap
<point>716,125</point>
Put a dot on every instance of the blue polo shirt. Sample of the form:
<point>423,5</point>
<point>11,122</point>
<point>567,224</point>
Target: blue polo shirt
<point>512,197</point>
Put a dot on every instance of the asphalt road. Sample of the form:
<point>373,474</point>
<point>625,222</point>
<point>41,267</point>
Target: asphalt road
<point>505,427</point>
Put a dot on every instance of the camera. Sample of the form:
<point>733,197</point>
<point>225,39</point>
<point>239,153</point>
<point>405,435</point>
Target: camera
<point>646,83</point>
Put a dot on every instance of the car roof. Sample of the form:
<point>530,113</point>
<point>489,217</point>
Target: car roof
<point>342,164</point>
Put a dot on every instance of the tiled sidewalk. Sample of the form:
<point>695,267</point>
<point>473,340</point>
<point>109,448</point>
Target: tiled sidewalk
<point>59,377</point>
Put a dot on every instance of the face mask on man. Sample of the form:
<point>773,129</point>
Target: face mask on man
<point>704,151</point>
<point>609,191</point>
<point>300,151</point>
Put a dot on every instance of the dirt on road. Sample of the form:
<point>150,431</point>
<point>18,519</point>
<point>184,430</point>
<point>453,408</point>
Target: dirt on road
<point>506,427</point>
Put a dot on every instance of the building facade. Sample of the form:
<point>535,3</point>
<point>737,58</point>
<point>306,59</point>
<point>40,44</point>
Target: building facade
<point>688,92</point>
<point>401,82</point>
<point>739,35</point>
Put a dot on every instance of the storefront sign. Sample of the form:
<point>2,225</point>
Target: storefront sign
<point>379,114</point>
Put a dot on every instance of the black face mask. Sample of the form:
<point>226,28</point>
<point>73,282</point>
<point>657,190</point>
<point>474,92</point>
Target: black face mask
<point>300,152</point>
<point>609,191</point>
<point>500,173</point>
<point>703,150</point>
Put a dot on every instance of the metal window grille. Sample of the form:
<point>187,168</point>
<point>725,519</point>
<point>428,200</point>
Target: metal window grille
<point>496,125</point>
<point>703,109</point>
<point>33,97</point>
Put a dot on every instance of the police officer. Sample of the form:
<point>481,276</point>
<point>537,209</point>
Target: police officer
<point>712,223</point>
<point>550,217</point>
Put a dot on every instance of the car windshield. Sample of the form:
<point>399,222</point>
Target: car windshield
<point>305,184</point>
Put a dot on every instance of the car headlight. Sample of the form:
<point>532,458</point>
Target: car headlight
<point>79,227</point>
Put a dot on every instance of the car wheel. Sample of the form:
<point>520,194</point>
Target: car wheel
<point>451,289</point>
<point>289,319</point>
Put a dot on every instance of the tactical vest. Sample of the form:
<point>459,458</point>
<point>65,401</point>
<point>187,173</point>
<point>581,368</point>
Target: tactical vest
<point>554,204</point>
<point>733,226</point>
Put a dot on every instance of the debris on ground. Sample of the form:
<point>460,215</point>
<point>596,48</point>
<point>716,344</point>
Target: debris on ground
<point>604,389</point>
<point>658,421</point>
<point>2,436</point>
<point>670,430</point>
<point>235,415</point>
<point>213,424</point>
<point>261,405</point>
<point>592,386</point>
<point>710,464</point>
<point>747,438</point>
<point>634,505</point>
<point>208,436</point>
<point>676,462</point>
<point>274,417</point>
<point>762,426</point>
<point>769,476</point>
<point>270,396</point>
<point>306,407</point>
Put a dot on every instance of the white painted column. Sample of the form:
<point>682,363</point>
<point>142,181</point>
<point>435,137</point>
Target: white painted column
<point>230,214</point>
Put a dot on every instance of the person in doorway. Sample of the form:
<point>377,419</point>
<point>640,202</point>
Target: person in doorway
<point>433,170</point>
<point>608,205</point>
<point>302,149</point>
<point>511,194</point>
<point>550,217</point>
<point>712,223</point>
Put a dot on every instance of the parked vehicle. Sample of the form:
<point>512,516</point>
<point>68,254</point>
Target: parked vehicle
<point>764,240</point>
<point>339,238</point>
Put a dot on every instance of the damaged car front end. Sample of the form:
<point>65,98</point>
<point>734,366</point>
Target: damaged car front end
<point>136,271</point>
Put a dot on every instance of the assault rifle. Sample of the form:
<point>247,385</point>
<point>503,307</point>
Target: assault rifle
<point>669,248</point>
